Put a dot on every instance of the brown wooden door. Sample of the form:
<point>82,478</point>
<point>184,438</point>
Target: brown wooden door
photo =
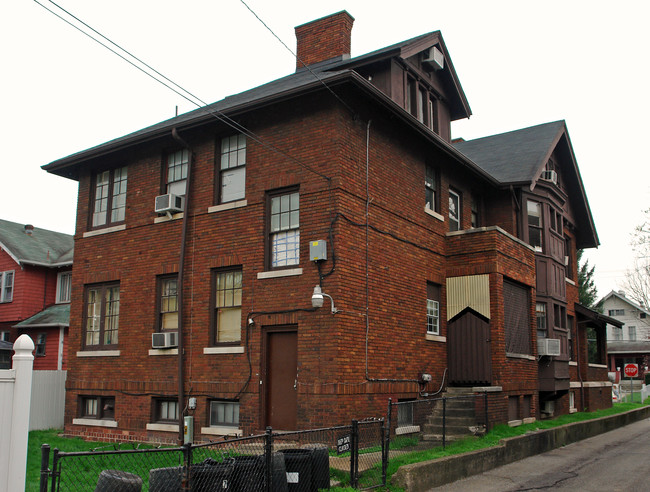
<point>468,344</point>
<point>281,379</point>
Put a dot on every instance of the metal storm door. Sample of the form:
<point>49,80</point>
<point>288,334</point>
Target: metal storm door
<point>281,395</point>
<point>468,345</point>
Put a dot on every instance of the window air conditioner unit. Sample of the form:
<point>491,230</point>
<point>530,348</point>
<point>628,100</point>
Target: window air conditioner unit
<point>163,340</point>
<point>169,203</point>
<point>548,346</point>
<point>550,176</point>
<point>434,59</point>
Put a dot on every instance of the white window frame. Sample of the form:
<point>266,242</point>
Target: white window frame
<point>631,333</point>
<point>231,407</point>
<point>232,169</point>
<point>63,287</point>
<point>454,222</point>
<point>176,172</point>
<point>5,336</point>
<point>6,284</point>
<point>284,227</point>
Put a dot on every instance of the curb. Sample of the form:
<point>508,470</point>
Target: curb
<point>420,477</point>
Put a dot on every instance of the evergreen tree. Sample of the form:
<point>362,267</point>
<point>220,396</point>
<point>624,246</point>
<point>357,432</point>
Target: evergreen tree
<point>588,293</point>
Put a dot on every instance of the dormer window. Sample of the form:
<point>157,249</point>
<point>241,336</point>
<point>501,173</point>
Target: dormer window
<point>420,103</point>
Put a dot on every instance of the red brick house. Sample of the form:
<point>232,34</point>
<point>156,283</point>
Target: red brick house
<point>202,242</point>
<point>35,281</point>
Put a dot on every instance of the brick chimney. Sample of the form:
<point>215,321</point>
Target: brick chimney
<point>323,39</point>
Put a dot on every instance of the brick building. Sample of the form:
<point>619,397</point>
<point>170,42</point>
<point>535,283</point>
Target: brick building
<point>35,281</point>
<point>204,243</point>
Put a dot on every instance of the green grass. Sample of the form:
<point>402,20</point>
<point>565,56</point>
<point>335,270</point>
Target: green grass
<point>369,477</point>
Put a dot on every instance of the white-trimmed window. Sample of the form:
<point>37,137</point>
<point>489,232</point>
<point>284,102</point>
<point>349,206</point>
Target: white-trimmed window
<point>534,210</point>
<point>284,227</point>
<point>6,286</point>
<point>5,336</point>
<point>97,407</point>
<point>168,303</point>
<point>631,332</point>
<point>63,287</point>
<point>166,410</point>
<point>616,312</point>
<point>109,203</point>
<point>431,189</point>
<point>617,333</point>
<point>433,309</point>
<point>454,211</point>
<point>227,288</point>
<point>224,413</point>
<point>177,166</point>
<point>232,175</point>
<point>102,315</point>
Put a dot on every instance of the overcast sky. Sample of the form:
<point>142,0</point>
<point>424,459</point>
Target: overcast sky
<point>520,63</point>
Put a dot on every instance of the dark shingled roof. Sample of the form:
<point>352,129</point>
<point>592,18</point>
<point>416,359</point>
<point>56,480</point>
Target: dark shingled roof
<point>514,157</point>
<point>42,247</point>
<point>56,315</point>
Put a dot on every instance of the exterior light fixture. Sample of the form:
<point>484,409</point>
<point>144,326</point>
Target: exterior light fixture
<point>317,299</point>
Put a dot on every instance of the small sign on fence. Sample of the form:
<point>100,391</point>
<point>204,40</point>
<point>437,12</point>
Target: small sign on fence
<point>343,444</point>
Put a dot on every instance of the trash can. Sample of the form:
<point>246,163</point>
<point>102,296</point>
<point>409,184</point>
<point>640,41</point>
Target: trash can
<point>278,473</point>
<point>248,473</point>
<point>298,465</point>
<point>112,480</point>
<point>165,479</point>
<point>211,476</point>
<point>320,465</point>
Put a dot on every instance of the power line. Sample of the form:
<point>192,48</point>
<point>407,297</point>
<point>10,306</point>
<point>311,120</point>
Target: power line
<point>298,58</point>
<point>181,91</point>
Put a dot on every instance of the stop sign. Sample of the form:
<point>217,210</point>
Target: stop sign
<point>631,370</point>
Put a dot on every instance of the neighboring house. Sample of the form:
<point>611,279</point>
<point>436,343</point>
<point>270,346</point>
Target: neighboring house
<point>35,282</point>
<point>629,343</point>
<point>203,241</point>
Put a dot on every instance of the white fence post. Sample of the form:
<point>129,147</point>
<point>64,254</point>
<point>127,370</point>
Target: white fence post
<point>23,361</point>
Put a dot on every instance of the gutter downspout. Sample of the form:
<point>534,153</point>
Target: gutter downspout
<point>179,289</point>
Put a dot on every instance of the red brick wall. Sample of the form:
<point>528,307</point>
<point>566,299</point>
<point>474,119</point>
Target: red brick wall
<point>323,39</point>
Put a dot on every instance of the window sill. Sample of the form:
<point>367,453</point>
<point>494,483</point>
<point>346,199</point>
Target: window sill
<point>163,427</point>
<point>164,218</point>
<point>224,350</point>
<point>599,366</point>
<point>222,431</point>
<point>569,281</point>
<point>434,214</point>
<point>227,206</point>
<point>515,423</point>
<point>435,338</point>
<point>106,230</point>
<point>98,353</point>
<point>572,363</point>
<point>95,422</point>
<point>155,352</point>
<point>291,272</point>
<point>407,429</point>
<point>529,420</point>
<point>520,356</point>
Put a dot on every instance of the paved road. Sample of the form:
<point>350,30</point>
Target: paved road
<point>614,461</point>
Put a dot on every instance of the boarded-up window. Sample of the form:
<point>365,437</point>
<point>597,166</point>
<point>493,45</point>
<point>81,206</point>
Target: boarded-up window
<point>516,318</point>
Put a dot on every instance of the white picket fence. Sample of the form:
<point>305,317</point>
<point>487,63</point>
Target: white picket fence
<point>15,399</point>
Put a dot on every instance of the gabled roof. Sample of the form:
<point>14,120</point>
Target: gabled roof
<point>458,105</point>
<point>519,157</point>
<point>514,157</point>
<point>622,297</point>
<point>56,315</point>
<point>41,247</point>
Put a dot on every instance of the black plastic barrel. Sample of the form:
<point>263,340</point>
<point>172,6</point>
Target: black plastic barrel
<point>248,473</point>
<point>298,465</point>
<point>320,465</point>
<point>212,477</point>
<point>165,479</point>
<point>112,480</point>
<point>279,473</point>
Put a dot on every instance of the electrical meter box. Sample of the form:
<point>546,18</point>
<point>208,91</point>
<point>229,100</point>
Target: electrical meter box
<point>188,429</point>
<point>318,250</point>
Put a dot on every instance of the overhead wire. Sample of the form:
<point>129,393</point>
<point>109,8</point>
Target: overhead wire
<point>173,86</point>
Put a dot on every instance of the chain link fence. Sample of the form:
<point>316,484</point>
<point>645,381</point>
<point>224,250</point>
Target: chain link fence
<point>308,460</point>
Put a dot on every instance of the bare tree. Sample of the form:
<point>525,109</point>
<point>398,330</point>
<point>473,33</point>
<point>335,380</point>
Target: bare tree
<point>637,279</point>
